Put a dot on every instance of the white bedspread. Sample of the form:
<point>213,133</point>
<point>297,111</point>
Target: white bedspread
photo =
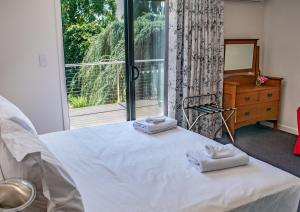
<point>119,169</point>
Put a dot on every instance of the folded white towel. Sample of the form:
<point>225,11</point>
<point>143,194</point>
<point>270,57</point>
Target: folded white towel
<point>201,162</point>
<point>151,128</point>
<point>219,151</point>
<point>156,119</point>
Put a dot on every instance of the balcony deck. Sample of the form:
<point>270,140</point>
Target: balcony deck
<point>111,113</point>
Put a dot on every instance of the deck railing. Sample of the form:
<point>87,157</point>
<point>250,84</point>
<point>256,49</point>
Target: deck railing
<point>149,85</point>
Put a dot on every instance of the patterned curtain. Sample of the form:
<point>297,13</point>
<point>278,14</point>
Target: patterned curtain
<point>196,55</point>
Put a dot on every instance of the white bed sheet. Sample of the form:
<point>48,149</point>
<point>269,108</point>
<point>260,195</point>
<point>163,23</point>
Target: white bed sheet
<point>119,169</point>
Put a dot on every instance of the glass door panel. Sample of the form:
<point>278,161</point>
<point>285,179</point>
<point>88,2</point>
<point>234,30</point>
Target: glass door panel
<point>106,84</point>
<point>149,51</point>
<point>94,53</point>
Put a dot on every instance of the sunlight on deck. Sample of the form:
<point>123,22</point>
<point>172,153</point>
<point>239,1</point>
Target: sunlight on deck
<point>111,113</point>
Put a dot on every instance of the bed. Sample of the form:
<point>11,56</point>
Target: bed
<point>119,169</point>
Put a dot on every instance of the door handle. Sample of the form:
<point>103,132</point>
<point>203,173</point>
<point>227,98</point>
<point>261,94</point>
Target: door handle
<point>137,70</point>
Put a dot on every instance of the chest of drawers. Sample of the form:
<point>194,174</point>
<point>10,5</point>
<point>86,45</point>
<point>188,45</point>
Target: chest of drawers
<point>253,103</point>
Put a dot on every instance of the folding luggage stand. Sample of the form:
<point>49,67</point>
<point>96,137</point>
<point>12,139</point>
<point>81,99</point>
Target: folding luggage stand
<point>193,103</point>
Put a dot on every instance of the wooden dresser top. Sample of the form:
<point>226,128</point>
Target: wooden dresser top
<point>244,88</point>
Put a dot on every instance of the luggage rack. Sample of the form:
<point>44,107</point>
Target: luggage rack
<point>194,103</point>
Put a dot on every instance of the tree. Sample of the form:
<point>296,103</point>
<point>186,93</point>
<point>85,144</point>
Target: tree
<point>93,33</point>
<point>141,7</point>
<point>77,39</point>
<point>82,19</point>
<point>86,11</point>
<point>99,83</point>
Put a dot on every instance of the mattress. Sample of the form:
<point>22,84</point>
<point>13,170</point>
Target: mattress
<point>119,169</point>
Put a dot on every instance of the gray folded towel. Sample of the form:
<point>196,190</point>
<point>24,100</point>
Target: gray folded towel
<point>201,162</point>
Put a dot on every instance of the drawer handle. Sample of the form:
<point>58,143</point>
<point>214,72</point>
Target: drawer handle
<point>247,114</point>
<point>270,94</point>
<point>247,98</point>
<point>269,109</point>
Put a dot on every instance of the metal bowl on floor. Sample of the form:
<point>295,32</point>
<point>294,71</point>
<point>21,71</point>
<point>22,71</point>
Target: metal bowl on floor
<point>16,194</point>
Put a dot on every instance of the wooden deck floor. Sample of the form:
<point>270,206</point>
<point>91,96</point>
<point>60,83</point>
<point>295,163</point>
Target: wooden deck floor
<point>111,113</point>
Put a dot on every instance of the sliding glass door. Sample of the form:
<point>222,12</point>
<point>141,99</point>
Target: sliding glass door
<point>114,55</point>
<point>145,45</point>
<point>93,32</point>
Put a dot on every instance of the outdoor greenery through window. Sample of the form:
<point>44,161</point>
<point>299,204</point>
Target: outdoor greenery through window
<point>94,49</point>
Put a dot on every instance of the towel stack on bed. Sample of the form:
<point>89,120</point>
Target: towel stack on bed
<point>155,124</point>
<point>217,157</point>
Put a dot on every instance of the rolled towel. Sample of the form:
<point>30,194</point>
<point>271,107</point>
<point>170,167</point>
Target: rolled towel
<point>151,128</point>
<point>201,162</point>
<point>156,119</point>
<point>219,151</point>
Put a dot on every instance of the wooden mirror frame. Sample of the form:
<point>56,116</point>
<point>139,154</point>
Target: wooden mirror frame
<point>255,62</point>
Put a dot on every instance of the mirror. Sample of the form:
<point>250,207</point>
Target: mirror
<point>241,56</point>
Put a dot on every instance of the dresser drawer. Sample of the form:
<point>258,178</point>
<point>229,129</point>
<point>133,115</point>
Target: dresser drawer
<point>246,113</point>
<point>246,99</point>
<point>269,95</point>
<point>268,111</point>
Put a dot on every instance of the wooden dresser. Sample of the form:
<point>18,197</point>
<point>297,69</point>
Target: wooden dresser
<point>253,103</point>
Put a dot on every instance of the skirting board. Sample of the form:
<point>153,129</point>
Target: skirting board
<point>281,127</point>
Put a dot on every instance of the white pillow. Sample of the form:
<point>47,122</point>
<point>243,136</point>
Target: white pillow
<point>10,111</point>
<point>58,187</point>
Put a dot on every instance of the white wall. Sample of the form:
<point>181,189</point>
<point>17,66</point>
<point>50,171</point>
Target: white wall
<point>276,24</point>
<point>28,28</point>
<point>244,19</point>
<point>282,55</point>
